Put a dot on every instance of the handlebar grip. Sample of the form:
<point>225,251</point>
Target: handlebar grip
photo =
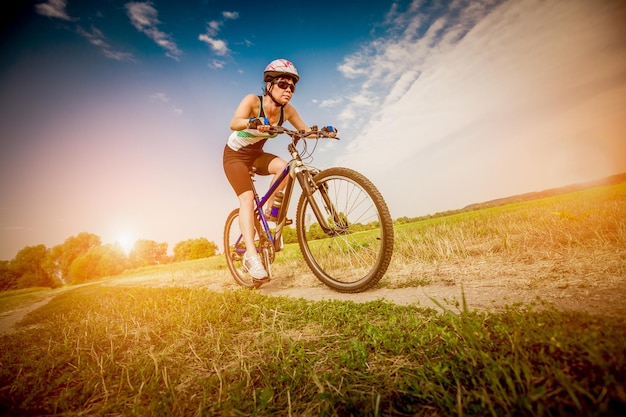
<point>255,122</point>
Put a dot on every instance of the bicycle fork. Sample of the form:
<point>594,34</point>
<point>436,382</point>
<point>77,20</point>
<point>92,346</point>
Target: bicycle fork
<point>309,187</point>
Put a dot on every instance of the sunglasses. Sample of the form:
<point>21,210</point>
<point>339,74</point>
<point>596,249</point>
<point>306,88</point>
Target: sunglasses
<point>286,85</point>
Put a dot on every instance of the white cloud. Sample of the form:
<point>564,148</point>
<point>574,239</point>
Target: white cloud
<point>54,9</point>
<point>144,18</point>
<point>118,56</point>
<point>218,46</point>
<point>231,15</point>
<point>488,101</point>
<point>217,64</point>
<point>349,67</point>
<point>162,97</point>
<point>329,102</point>
<point>142,15</point>
<point>97,38</point>
<point>213,27</point>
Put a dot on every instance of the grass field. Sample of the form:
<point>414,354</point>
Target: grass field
<point>217,350</point>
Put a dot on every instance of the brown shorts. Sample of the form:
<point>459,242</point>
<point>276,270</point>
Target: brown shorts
<point>237,166</point>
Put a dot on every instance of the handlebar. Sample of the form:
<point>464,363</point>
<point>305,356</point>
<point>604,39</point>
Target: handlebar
<point>296,135</point>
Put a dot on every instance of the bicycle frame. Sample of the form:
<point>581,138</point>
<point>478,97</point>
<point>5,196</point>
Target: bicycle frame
<point>259,213</point>
<point>355,246</point>
<point>295,169</point>
<point>260,203</point>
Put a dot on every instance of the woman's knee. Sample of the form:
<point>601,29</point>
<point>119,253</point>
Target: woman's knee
<point>246,199</point>
<point>277,165</point>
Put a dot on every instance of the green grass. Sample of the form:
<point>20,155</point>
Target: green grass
<point>102,350</point>
<point>590,218</point>
<point>580,231</point>
<point>178,350</point>
<point>583,232</point>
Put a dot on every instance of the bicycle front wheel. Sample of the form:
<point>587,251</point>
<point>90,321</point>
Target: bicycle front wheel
<point>351,247</point>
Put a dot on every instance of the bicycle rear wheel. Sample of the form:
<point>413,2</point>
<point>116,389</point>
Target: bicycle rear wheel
<point>234,249</point>
<point>353,253</point>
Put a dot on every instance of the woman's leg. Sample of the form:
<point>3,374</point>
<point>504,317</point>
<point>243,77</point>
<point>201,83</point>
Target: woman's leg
<point>276,167</point>
<point>236,168</point>
<point>251,261</point>
<point>246,220</point>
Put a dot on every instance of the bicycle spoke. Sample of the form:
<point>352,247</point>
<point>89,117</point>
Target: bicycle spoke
<point>350,245</point>
<point>353,254</point>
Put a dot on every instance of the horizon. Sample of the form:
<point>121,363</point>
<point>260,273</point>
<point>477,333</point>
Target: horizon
<point>115,114</point>
<point>128,244</point>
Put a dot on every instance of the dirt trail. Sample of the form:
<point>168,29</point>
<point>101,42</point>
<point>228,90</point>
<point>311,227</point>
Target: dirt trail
<point>8,320</point>
<point>483,289</point>
<point>484,296</point>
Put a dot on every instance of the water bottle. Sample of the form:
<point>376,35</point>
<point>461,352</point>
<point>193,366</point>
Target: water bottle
<point>278,201</point>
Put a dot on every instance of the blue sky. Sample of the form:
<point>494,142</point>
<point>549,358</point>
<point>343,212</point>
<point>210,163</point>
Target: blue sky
<point>114,114</point>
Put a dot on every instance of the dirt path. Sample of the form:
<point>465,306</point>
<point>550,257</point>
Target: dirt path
<point>483,286</point>
<point>477,297</point>
<point>8,320</point>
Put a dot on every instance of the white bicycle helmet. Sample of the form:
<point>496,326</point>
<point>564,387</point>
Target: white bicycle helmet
<point>280,67</point>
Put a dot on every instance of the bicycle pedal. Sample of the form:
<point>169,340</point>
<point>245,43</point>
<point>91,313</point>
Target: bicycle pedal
<point>275,220</point>
<point>258,282</point>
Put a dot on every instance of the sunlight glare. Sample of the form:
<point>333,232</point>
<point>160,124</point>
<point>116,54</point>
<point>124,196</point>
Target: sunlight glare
<point>126,242</point>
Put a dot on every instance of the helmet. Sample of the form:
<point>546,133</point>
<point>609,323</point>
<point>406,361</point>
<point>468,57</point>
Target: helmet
<point>280,67</point>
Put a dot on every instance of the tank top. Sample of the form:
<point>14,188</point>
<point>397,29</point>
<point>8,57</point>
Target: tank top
<point>242,138</point>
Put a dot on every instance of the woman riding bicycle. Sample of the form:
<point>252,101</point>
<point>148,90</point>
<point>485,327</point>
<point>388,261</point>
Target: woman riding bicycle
<point>244,149</point>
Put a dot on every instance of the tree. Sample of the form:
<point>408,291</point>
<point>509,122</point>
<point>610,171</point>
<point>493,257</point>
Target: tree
<point>194,249</point>
<point>62,256</point>
<point>289,235</point>
<point>8,277</point>
<point>315,232</point>
<point>148,252</point>
<point>28,265</point>
<point>98,262</point>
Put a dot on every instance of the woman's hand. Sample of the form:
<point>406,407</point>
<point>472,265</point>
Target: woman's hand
<point>256,122</point>
<point>332,131</point>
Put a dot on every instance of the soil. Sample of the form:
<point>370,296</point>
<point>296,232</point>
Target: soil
<point>588,283</point>
<point>593,282</point>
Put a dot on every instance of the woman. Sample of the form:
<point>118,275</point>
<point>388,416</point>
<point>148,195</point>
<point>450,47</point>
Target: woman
<point>244,150</point>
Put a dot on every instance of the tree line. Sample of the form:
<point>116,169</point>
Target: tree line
<point>84,258</point>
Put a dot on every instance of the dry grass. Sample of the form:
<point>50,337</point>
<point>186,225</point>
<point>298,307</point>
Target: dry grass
<point>568,249</point>
<point>101,350</point>
<point>557,242</point>
<point>180,349</point>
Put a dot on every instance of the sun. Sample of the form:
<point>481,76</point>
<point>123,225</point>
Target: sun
<point>126,242</point>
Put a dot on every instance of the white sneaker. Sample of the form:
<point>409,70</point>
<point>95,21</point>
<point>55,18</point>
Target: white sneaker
<point>254,266</point>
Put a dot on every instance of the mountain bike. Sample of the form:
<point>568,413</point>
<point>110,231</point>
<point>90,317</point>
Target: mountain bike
<point>343,226</point>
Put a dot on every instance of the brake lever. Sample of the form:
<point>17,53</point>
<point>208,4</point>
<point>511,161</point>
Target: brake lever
<point>274,130</point>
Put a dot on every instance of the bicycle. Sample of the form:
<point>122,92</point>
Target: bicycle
<point>343,226</point>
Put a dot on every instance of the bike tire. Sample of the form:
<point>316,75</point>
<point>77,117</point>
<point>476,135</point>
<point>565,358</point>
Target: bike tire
<point>353,258</point>
<point>234,249</point>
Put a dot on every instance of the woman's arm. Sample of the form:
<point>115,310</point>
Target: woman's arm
<point>244,112</point>
<point>294,118</point>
